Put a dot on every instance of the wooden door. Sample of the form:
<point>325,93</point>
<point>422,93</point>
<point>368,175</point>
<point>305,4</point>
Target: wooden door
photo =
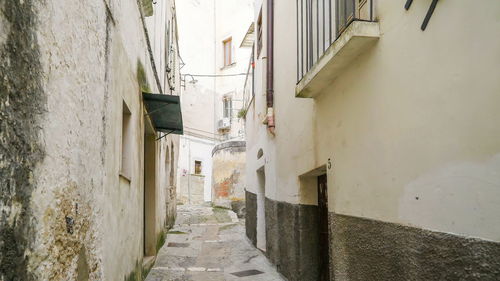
<point>324,241</point>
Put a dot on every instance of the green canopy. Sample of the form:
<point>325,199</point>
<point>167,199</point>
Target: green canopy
<point>165,112</point>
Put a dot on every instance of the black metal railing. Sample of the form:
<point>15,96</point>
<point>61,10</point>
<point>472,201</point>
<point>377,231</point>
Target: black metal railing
<point>320,23</point>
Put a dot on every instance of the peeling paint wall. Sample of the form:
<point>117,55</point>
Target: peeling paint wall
<point>228,173</point>
<point>66,212</point>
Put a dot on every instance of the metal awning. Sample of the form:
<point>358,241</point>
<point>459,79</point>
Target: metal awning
<point>249,37</point>
<point>165,112</point>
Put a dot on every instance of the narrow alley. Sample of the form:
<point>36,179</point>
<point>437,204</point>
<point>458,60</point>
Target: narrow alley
<point>209,244</point>
<point>249,140</point>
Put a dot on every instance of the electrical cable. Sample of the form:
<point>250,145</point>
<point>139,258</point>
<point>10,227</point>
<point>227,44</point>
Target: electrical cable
<point>215,75</point>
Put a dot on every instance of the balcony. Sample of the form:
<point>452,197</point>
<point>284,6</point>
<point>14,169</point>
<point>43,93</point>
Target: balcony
<point>330,35</point>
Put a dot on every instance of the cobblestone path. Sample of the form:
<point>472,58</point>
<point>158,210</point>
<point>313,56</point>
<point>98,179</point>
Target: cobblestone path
<point>209,244</point>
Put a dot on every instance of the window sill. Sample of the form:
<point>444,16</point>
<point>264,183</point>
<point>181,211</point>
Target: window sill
<point>352,42</point>
<point>228,66</point>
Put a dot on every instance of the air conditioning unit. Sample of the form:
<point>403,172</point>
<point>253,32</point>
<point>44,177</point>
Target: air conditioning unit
<point>224,124</point>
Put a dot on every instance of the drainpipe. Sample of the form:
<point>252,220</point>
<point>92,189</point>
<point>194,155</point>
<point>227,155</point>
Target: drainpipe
<point>270,66</point>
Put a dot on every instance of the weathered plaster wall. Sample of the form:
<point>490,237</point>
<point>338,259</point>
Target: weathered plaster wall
<point>22,103</point>
<point>228,172</point>
<point>192,189</point>
<point>65,211</point>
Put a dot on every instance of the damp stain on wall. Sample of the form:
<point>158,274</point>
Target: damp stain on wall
<point>22,102</point>
<point>142,78</point>
<point>70,237</point>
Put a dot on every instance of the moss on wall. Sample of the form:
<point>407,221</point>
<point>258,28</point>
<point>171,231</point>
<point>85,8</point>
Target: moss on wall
<point>140,271</point>
<point>141,78</point>
<point>160,241</point>
<point>22,101</point>
<point>136,274</point>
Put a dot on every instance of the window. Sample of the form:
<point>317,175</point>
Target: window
<point>197,167</point>
<point>228,59</point>
<point>259,34</point>
<point>125,169</point>
<point>227,107</point>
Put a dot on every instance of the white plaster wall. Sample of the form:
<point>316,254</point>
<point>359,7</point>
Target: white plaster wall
<point>204,25</point>
<point>233,18</point>
<point>413,117</point>
<point>285,152</point>
<point>421,125</point>
<point>192,149</point>
<point>196,26</point>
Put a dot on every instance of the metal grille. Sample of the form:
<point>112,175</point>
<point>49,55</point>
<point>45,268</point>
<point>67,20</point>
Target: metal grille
<point>320,23</point>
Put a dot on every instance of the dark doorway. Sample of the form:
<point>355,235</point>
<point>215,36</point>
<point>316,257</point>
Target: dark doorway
<point>261,210</point>
<point>324,241</point>
<point>149,195</point>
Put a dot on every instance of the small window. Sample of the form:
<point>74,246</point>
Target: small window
<point>228,56</point>
<point>125,164</point>
<point>197,167</point>
<point>259,33</point>
<point>228,108</point>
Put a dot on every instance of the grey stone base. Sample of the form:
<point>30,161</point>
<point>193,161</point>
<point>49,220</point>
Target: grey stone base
<point>251,216</point>
<point>239,208</point>
<point>292,239</point>
<point>364,249</point>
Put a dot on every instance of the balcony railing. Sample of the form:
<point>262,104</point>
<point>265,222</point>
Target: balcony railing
<point>320,23</point>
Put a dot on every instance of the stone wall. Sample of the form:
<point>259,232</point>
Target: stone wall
<point>291,236</point>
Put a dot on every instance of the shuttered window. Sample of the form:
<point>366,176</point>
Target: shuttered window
<point>227,44</point>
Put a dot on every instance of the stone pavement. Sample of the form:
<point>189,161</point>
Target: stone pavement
<point>209,244</point>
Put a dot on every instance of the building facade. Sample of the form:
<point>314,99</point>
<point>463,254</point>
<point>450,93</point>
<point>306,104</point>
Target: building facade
<point>216,54</point>
<point>372,139</point>
<point>87,187</point>
<point>197,45</point>
<point>233,23</point>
